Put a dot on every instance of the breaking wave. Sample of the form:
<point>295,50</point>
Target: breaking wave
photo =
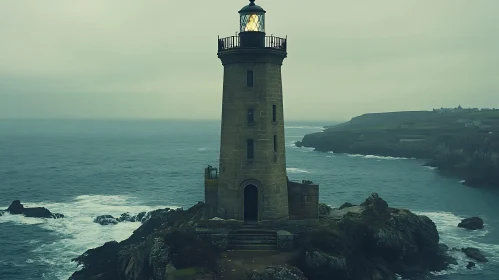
<point>456,237</point>
<point>77,232</point>
<point>377,157</point>
<point>296,170</point>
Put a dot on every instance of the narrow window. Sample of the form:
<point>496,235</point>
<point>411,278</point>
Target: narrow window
<point>249,78</point>
<point>274,116</point>
<point>275,143</point>
<point>250,149</point>
<point>251,115</point>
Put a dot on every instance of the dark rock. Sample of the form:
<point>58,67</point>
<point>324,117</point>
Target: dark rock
<point>16,208</point>
<point>279,272</point>
<point>140,217</point>
<point>125,217</point>
<point>470,265</point>
<point>151,249</point>
<point>106,220</point>
<point>471,223</point>
<point>345,205</point>
<point>375,203</point>
<point>1,213</point>
<point>100,263</point>
<point>37,212</point>
<point>475,254</point>
<point>374,242</point>
<point>57,215</point>
<point>324,210</point>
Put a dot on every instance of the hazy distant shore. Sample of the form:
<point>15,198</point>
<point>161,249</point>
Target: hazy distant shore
<point>462,143</point>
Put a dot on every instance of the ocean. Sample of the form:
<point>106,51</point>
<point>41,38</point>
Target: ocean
<point>86,168</point>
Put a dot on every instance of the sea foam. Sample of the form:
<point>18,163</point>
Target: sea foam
<point>296,170</point>
<point>458,238</point>
<point>77,232</point>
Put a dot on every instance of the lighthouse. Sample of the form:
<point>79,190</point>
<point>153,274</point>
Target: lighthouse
<point>251,183</point>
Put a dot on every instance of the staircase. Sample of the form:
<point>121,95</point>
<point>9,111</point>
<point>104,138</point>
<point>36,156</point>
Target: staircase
<point>250,238</point>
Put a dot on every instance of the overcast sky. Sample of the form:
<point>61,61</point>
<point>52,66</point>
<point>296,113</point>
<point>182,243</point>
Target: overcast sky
<point>157,58</point>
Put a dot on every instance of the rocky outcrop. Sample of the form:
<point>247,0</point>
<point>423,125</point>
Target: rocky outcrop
<point>165,239</point>
<point>377,243</point>
<point>16,208</point>
<point>278,273</point>
<point>470,265</point>
<point>373,241</point>
<point>125,217</point>
<point>105,220</point>
<point>475,254</point>
<point>473,223</point>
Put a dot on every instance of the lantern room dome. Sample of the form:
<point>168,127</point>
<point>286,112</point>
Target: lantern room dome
<point>252,8</point>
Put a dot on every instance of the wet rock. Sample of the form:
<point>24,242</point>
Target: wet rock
<point>397,242</point>
<point>345,205</point>
<point>473,223</point>
<point>165,244</point>
<point>279,272</point>
<point>16,208</point>
<point>125,217</point>
<point>475,254</point>
<point>106,220</point>
<point>373,242</point>
<point>470,265</point>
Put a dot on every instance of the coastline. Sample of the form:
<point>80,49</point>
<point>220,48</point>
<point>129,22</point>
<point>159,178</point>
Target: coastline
<point>451,142</point>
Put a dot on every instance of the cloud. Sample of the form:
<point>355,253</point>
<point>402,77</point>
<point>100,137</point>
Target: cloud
<point>345,58</point>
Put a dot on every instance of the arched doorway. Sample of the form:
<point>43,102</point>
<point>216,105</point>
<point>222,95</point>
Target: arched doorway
<point>250,203</point>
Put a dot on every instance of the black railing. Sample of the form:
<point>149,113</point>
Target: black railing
<point>234,42</point>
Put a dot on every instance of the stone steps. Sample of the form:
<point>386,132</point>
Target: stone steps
<point>251,238</point>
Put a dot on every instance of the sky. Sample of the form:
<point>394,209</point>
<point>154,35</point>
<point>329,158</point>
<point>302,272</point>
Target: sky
<point>157,58</point>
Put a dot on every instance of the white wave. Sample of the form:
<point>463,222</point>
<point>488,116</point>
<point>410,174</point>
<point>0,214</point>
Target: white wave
<point>377,157</point>
<point>431,167</point>
<point>296,170</point>
<point>458,238</point>
<point>77,232</point>
<point>462,181</point>
<point>291,144</point>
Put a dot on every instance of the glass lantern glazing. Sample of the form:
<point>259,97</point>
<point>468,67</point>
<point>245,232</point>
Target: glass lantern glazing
<point>253,22</point>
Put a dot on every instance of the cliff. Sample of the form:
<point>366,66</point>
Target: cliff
<point>369,241</point>
<point>463,143</point>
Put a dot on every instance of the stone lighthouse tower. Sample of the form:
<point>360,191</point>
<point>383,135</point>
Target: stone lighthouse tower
<point>252,182</point>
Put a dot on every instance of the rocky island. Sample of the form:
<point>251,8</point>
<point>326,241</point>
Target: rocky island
<point>16,208</point>
<point>459,142</point>
<point>368,241</point>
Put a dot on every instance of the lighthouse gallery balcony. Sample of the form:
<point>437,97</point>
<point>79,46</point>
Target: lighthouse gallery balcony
<point>234,42</point>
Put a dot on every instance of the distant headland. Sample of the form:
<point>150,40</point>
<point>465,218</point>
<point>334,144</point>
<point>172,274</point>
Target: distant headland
<point>458,141</point>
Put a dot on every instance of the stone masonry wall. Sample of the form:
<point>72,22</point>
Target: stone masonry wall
<point>267,171</point>
<point>303,201</point>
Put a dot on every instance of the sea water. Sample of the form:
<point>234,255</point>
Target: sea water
<point>86,168</point>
